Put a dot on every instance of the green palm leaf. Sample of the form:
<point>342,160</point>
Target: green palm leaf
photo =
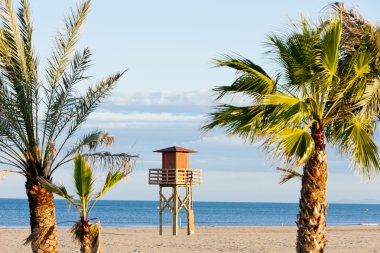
<point>355,139</point>
<point>330,47</point>
<point>296,144</point>
<point>296,57</point>
<point>370,102</point>
<point>279,99</point>
<point>253,80</point>
<point>363,64</point>
<point>65,43</point>
<point>19,67</point>
<point>83,177</point>
<point>247,121</point>
<point>63,101</point>
<point>112,179</point>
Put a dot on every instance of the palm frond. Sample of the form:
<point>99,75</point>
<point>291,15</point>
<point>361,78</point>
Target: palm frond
<point>253,80</point>
<point>94,230</point>
<point>291,111</point>
<point>91,141</point>
<point>88,103</point>
<point>83,178</point>
<point>11,126</point>
<point>248,122</point>
<point>4,173</point>
<point>39,236</point>
<point>353,136</point>
<point>288,174</point>
<point>96,238</point>
<point>32,61</point>
<point>295,143</point>
<point>20,69</point>
<point>330,43</point>
<point>110,161</point>
<point>296,54</point>
<point>94,140</point>
<point>59,190</point>
<point>64,47</point>
<point>370,102</point>
<point>63,97</point>
<point>363,64</point>
<point>112,179</point>
<point>65,43</point>
<point>9,133</point>
<point>76,231</point>
<point>11,34</point>
<point>279,99</point>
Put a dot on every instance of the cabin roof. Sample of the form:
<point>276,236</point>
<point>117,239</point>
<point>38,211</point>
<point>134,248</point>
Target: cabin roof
<point>175,149</point>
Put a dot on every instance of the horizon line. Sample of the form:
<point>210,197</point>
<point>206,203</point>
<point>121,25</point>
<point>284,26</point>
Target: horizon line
<point>215,201</point>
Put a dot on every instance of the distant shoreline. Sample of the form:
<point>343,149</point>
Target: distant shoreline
<point>214,201</point>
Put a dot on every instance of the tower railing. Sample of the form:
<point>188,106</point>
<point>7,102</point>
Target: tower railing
<point>175,176</point>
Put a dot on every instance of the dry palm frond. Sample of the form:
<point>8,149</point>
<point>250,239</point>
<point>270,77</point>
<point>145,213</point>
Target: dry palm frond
<point>38,237</point>
<point>96,238</point>
<point>4,173</point>
<point>107,160</point>
<point>92,141</point>
<point>102,139</point>
<point>357,30</point>
<point>76,231</point>
<point>288,174</point>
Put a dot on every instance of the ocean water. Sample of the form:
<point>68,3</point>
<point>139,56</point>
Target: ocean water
<point>15,213</point>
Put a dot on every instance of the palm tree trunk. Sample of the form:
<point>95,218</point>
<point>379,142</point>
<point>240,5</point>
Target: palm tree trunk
<point>42,218</point>
<point>86,246</point>
<point>311,220</point>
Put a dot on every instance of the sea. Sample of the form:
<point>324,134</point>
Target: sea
<point>118,213</point>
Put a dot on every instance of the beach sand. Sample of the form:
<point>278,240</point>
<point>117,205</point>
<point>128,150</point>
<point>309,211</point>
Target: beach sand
<point>211,239</point>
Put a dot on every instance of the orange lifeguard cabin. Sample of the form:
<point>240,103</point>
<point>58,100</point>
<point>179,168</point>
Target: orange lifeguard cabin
<point>175,172</point>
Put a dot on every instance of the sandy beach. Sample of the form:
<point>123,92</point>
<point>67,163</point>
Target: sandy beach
<point>211,239</point>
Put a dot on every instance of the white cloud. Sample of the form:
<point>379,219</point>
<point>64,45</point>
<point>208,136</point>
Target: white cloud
<point>176,98</point>
<point>162,98</point>
<point>140,119</point>
<point>219,140</point>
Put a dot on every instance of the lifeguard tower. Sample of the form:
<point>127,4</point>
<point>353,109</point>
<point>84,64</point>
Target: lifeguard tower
<point>175,173</point>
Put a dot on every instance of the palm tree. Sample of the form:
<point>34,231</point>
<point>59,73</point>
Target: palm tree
<point>320,95</point>
<point>83,230</point>
<point>40,116</point>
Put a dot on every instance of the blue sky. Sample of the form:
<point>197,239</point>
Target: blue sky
<point>164,96</point>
